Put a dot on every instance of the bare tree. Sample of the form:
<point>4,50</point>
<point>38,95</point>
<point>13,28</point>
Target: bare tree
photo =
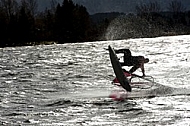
<point>32,6</point>
<point>176,6</point>
<point>53,4</point>
<point>154,7</point>
<point>24,4</point>
<point>9,7</point>
<point>148,8</point>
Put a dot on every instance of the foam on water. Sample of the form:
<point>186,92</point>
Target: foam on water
<point>70,84</point>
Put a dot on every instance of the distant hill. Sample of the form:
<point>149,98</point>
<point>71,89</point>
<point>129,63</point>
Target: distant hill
<point>99,17</point>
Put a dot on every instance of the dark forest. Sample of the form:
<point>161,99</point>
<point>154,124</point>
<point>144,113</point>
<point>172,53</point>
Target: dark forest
<point>21,24</point>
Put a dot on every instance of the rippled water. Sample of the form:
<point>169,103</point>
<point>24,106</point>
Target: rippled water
<point>69,84</point>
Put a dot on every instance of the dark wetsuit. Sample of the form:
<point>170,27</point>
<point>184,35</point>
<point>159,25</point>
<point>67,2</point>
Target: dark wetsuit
<point>135,61</point>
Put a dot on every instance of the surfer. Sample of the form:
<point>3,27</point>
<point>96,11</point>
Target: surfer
<point>134,61</point>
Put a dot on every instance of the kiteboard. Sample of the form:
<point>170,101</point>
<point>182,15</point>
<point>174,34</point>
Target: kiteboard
<point>124,82</point>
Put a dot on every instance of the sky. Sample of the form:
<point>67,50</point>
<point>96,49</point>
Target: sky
<point>100,6</point>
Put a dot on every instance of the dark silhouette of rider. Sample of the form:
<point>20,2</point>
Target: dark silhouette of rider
<point>135,61</point>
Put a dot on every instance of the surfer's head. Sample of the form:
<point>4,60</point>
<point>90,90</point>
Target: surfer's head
<point>146,60</point>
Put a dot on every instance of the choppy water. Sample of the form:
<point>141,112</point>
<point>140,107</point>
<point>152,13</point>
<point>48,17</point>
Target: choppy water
<point>69,85</point>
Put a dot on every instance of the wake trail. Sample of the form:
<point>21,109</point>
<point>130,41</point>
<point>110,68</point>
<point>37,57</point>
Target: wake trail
<point>158,90</point>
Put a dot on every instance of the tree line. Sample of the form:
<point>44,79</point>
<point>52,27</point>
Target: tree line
<point>22,24</point>
<point>174,21</point>
<point>151,21</point>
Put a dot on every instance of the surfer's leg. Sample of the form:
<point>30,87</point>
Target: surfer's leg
<point>122,63</point>
<point>133,69</point>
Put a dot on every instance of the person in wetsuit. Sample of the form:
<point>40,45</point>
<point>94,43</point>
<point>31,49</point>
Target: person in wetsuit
<point>135,61</point>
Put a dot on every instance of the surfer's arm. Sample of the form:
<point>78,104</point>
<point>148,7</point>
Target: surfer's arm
<point>122,51</point>
<point>118,51</point>
<point>142,68</point>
